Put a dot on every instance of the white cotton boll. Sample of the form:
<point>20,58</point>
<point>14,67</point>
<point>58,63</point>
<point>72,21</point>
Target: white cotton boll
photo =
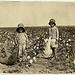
<point>67,44</point>
<point>5,41</point>
<point>60,39</point>
<point>30,43</point>
<point>37,37</point>
<point>20,59</point>
<point>26,65</point>
<point>0,43</point>
<point>73,35</point>
<point>28,57</point>
<point>35,53</point>
<point>37,47</point>
<point>69,39</point>
<point>34,47</point>
<point>8,36</point>
<point>74,61</point>
<point>31,61</point>
<point>34,58</point>
<point>46,33</point>
<point>13,43</point>
<point>8,33</point>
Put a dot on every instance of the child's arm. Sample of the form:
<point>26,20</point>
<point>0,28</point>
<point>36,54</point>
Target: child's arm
<point>16,40</point>
<point>49,33</point>
<point>57,34</point>
<point>26,40</point>
<point>26,37</point>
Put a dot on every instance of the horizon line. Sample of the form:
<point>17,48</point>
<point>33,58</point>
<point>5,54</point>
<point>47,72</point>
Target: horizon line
<point>39,26</point>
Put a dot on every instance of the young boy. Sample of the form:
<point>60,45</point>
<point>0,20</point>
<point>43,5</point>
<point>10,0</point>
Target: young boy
<point>21,39</point>
<point>54,35</point>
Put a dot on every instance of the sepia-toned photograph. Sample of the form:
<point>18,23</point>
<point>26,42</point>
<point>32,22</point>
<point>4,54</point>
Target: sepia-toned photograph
<point>37,37</point>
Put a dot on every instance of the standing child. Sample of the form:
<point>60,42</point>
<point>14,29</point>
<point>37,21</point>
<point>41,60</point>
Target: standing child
<point>21,38</point>
<point>54,35</point>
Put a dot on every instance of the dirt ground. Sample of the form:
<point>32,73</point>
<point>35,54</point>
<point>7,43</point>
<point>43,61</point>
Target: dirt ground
<point>42,66</point>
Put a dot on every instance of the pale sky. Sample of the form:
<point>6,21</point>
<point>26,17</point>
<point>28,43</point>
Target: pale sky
<point>36,13</point>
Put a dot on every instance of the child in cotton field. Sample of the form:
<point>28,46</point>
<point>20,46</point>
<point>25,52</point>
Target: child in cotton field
<point>21,38</point>
<point>54,35</point>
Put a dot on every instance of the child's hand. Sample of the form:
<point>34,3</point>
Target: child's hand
<point>56,41</point>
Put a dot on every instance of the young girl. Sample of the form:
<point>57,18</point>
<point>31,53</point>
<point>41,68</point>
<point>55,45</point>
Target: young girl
<point>54,35</point>
<point>21,38</point>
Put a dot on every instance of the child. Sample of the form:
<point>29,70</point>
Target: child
<point>54,35</point>
<point>21,38</point>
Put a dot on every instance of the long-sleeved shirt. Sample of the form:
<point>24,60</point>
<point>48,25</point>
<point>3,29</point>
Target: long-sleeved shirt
<point>54,33</point>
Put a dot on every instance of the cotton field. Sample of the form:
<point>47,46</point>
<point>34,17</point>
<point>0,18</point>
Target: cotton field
<point>35,62</point>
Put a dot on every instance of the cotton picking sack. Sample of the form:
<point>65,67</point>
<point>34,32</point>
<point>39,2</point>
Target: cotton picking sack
<point>48,50</point>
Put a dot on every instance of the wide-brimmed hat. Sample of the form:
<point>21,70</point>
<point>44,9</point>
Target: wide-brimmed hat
<point>20,26</point>
<point>52,21</point>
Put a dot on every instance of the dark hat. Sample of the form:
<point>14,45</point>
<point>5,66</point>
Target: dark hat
<point>52,21</point>
<point>20,26</point>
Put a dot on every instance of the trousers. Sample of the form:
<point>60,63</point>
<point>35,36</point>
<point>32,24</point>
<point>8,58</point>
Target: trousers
<point>22,51</point>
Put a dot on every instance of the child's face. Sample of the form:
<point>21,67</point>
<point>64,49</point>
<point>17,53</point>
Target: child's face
<point>20,30</point>
<point>52,25</point>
